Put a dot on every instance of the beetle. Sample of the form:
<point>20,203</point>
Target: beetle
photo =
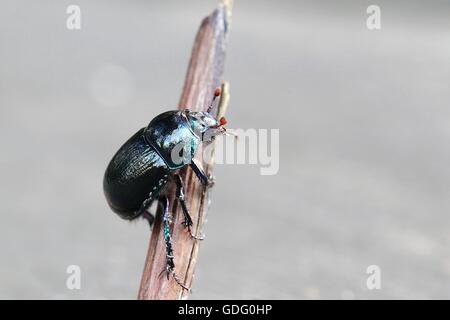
<point>139,172</point>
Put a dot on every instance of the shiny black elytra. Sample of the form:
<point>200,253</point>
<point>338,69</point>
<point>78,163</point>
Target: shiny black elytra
<point>138,173</point>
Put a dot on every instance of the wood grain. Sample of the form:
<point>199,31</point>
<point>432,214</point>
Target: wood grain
<point>205,73</point>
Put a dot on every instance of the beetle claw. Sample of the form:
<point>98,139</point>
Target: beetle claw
<point>211,181</point>
<point>171,272</point>
<point>189,229</point>
<point>193,236</point>
<point>168,272</point>
<point>200,237</point>
<point>187,223</point>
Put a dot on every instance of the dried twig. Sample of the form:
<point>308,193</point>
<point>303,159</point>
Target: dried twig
<point>205,73</point>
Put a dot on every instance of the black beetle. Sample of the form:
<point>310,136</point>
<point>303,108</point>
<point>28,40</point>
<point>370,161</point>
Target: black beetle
<point>138,173</point>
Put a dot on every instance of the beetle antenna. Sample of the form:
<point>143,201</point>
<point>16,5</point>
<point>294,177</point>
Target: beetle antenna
<point>217,94</point>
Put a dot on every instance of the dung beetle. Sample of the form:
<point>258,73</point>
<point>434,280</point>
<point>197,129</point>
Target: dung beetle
<point>139,172</point>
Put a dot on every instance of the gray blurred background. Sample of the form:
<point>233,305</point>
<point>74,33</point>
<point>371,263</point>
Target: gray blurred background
<point>364,123</point>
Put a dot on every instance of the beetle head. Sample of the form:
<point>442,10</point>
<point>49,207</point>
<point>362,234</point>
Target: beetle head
<point>205,125</point>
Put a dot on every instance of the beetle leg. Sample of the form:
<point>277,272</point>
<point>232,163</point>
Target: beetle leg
<point>206,179</point>
<point>187,217</point>
<point>170,264</point>
<point>149,217</point>
<point>143,210</point>
<point>180,196</point>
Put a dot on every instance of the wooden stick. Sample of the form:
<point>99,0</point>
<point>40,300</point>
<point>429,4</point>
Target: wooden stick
<point>205,73</point>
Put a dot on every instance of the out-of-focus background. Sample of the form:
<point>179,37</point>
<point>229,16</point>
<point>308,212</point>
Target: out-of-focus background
<point>364,124</point>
